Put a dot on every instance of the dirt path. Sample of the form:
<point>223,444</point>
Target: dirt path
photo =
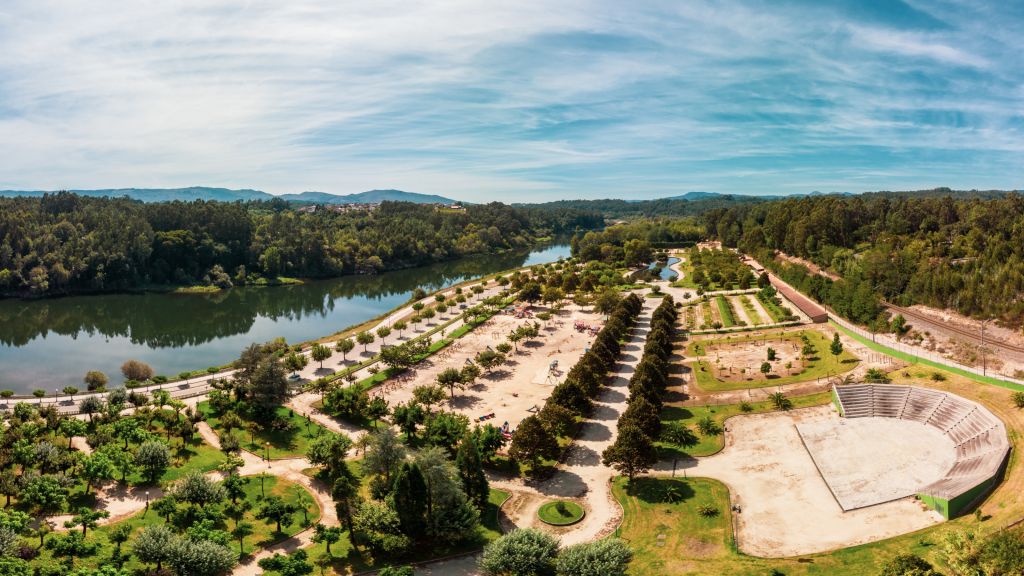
<point>582,476</point>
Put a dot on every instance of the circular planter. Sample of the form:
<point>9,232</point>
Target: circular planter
<point>560,513</point>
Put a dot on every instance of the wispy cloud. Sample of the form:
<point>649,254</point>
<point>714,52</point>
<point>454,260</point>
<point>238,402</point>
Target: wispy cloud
<point>529,100</point>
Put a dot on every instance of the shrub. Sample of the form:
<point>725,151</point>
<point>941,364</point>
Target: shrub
<point>526,552</point>
<point>607,557</point>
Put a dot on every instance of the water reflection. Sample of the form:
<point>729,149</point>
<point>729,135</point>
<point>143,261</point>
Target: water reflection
<point>57,340</point>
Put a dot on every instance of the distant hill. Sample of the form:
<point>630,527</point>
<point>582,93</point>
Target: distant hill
<point>695,195</point>
<point>369,197</point>
<point>229,195</point>
<point>159,194</point>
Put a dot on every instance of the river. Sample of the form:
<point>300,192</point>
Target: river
<point>52,343</point>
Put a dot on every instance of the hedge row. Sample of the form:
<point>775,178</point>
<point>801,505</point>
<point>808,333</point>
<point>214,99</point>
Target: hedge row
<point>650,379</point>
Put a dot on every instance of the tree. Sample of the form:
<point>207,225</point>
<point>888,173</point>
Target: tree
<point>276,511</point>
<point>295,362</point>
<point>607,301</point>
<point>558,419</point>
<point>86,518</point>
<point>410,497</point>
<point>489,359</point>
<point>153,545</point>
<point>771,354</point>
<point>268,386</point>
<point>319,353</point>
<point>326,535</point>
<point>364,338</point>
<point>450,378</point>
<point>70,391</point>
<point>766,368</point>
<point>445,429</point>
<point>383,332</point>
<point>45,492</point>
<point>137,371</point>
<point>606,557</point>
<point>96,467</point>
<point>678,434</point>
<point>643,414</point>
<point>1018,399</point>
<point>780,401</point>
<point>469,374</point>
<point>407,417</point>
<point>376,409</point>
<point>471,472</point>
<point>198,490</point>
<point>90,405</point>
<point>379,528</point>
<point>118,534</point>
<point>153,456</point>
<point>384,454</point>
<point>72,427</point>
<point>523,552</point>
<point>95,380</point>
<point>533,442</point>
<point>632,453</point>
<point>201,557</point>
<point>345,345</point>
<point>241,531</point>
<point>70,545</point>
<point>530,292</point>
<point>428,395</point>
<point>837,346</point>
<point>329,451</point>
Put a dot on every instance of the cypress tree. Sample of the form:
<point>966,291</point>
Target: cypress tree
<point>471,471</point>
<point>411,496</point>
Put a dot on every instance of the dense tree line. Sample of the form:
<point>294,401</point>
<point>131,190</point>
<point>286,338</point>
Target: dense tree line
<point>64,243</point>
<point>662,207</point>
<point>633,451</point>
<point>631,243</point>
<point>962,253</point>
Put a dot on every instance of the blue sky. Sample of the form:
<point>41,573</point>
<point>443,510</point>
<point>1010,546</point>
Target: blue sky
<point>525,101</point>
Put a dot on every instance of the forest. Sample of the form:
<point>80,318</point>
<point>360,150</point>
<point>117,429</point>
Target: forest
<point>962,252</point>
<point>63,243</point>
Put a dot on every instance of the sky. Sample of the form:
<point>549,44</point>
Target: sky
<point>513,101</point>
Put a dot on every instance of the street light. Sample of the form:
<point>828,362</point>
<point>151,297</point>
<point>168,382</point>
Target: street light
<point>147,500</point>
<point>268,454</point>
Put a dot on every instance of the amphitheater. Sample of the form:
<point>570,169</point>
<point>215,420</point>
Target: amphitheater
<point>947,450</point>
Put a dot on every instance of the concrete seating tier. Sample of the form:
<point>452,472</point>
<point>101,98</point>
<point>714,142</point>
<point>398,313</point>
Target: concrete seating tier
<point>979,437</point>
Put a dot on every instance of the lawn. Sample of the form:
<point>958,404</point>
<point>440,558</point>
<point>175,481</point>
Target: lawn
<point>664,528</point>
<point>708,445</point>
<point>289,443</point>
<point>752,313</point>
<point>822,364</point>
<point>560,513</point>
<point>725,311</point>
<point>264,534</point>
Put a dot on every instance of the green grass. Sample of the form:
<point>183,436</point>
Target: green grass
<point>283,443</point>
<point>665,530</point>
<point>560,513</point>
<point>752,313</point>
<point>264,534</point>
<point>709,318</point>
<point>708,445</point>
<point>774,310</point>
<point>918,360</point>
<point>725,311</point>
<point>821,364</point>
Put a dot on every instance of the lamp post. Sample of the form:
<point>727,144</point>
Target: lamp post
<point>268,454</point>
<point>147,501</point>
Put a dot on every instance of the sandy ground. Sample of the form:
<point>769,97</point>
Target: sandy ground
<point>786,507</point>
<point>512,391</point>
<point>867,461</point>
<point>741,361</point>
<point>582,477</point>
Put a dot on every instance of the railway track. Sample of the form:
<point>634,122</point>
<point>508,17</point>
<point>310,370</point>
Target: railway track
<point>974,336</point>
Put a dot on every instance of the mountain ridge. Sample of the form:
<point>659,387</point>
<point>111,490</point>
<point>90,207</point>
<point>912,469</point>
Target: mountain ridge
<point>191,193</point>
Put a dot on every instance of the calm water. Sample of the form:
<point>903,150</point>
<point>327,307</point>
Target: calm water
<point>666,272</point>
<point>52,343</point>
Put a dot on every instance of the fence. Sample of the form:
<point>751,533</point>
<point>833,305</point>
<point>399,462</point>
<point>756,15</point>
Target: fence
<point>917,353</point>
